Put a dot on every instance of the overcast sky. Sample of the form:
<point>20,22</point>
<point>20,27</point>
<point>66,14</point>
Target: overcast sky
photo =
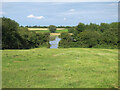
<point>60,13</point>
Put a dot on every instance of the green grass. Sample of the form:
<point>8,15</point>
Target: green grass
<point>57,31</point>
<point>60,68</point>
<point>41,31</point>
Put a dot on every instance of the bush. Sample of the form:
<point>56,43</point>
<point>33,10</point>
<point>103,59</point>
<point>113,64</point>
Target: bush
<point>52,28</point>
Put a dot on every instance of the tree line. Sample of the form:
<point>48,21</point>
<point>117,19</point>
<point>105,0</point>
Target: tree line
<point>35,26</point>
<point>91,36</point>
<point>17,37</point>
<point>84,36</point>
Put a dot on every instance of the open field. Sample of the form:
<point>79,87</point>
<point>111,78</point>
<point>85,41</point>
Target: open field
<point>60,68</point>
<point>57,34</point>
<point>57,31</point>
<point>41,31</point>
<point>44,29</point>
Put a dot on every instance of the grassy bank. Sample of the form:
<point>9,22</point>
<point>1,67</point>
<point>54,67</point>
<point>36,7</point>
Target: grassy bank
<point>60,68</point>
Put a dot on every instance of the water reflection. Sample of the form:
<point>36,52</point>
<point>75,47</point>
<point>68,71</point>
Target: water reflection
<point>54,43</point>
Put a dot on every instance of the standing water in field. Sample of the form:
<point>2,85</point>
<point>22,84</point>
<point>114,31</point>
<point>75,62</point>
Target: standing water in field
<point>54,43</point>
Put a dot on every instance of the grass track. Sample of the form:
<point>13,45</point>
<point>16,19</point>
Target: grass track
<point>60,68</point>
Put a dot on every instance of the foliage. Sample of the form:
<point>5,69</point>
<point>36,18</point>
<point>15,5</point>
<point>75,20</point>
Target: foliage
<point>88,36</point>
<point>79,28</point>
<point>88,39</point>
<point>93,27</point>
<point>16,37</point>
<point>71,30</point>
<point>92,35</point>
<point>65,39</point>
<point>52,28</point>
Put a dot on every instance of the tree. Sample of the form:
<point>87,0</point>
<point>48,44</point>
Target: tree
<point>79,28</point>
<point>110,37</point>
<point>88,39</point>
<point>104,26</point>
<point>71,30</point>
<point>93,27</point>
<point>52,28</point>
<point>16,37</point>
<point>9,33</point>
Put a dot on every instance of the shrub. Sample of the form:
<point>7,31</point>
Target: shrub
<point>52,28</point>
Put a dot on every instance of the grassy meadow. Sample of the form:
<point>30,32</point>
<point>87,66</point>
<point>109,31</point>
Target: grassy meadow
<point>58,30</point>
<point>44,29</point>
<point>60,68</point>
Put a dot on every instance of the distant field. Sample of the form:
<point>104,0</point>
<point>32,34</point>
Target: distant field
<point>37,28</point>
<point>44,29</point>
<point>58,34</point>
<point>57,31</point>
<point>41,31</point>
<point>60,68</point>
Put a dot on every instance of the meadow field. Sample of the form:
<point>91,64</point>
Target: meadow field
<point>60,68</point>
<point>58,30</point>
<point>44,29</point>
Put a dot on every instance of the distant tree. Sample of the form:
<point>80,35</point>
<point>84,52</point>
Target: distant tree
<point>71,30</point>
<point>52,28</point>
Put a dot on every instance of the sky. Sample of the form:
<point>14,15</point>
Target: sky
<point>60,13</point>
<point>60,0</point>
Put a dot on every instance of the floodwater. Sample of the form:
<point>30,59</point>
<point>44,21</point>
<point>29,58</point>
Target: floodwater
<point>54,43</point>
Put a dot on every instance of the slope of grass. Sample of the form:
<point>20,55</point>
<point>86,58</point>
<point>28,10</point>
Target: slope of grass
<point>60,68</point>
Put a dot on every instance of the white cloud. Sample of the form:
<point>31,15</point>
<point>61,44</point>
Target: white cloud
<point>64,18</point>
<point>40,17</point>
<point>35,17</point>
<point>72,10</point>
<point>30,16</point>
